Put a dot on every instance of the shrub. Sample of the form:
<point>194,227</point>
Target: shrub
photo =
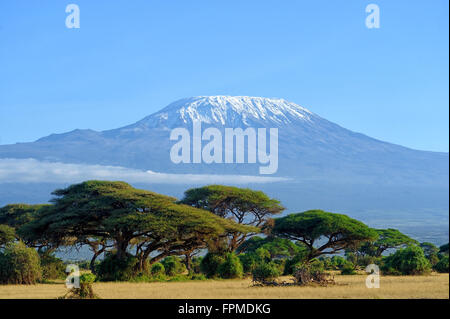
<point>266,272</point>
<point>157,269</point>
<point>252,259</point>
<point>173,266</point>
<point>7,235</point>
<point>348,269</point>
<point>291,264</point>
<point>113,268</point>
<point>85,291</point>
<point>442,265</point>
<point>231,267</point>
<point>313,272</point>
<point>19,265</point>
<point>210,264</point>
<point>52,267</point>
<point>196,262</point>
<point>408,261</point>
<point>338,262</point>
<point>248,261</point>
<point>198,277</point>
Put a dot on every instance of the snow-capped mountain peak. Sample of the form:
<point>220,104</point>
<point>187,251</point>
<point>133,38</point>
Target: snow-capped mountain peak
<point>228,111</point>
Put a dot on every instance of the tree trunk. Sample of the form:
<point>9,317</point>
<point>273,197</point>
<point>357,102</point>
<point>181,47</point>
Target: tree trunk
<point>188,262</point>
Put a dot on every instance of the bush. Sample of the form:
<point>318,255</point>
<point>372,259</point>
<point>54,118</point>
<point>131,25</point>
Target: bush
<point>338,262</point>
<point>442,265</point>
<point>210,264</point>
<point>252,259</point>
<point>157,269</point>
<point>348,269</point>
<point>231,267</point>
<point>114,269</point>
<point>249,262</point>
<point>87,278</point>
<point>19,265</point>
<point>85,291</point>
<point>7,235</point>
<point>52,267</point>
<point>198,277</point>
<point>173,266</point>
<point>196,262</point>
<point>408,261</point>
<point>266,272</point>
<point>313,272</point>
<point>291,264</point>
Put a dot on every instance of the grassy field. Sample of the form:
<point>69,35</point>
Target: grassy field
<point>431,286</point>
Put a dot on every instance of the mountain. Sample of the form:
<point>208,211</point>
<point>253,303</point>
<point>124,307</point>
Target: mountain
<point>310,147</point>
<point>328,167</point>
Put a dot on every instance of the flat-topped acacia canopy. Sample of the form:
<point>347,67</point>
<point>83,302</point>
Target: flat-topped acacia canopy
<point>311,226</point>
<point>126,215</point>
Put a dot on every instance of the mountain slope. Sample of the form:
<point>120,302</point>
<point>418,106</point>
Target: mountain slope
<point>310,147</point>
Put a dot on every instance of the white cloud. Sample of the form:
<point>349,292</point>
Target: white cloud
<point>34,171</point>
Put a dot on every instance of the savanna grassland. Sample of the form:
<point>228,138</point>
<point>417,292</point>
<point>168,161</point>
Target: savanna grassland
<point>346,287</point>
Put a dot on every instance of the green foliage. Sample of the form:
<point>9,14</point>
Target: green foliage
<point>431,252</point>
<point>407,261</point>
<point>277,247</point>
<point>173,266</point>
<point>19,215</point>
<point>309,272</point>
<point>157,269</point>
<point>231,267</point>
<point>125,215</point>
<point>348,269</point>
<point>243,205</point>
<point>196,262</point>
<point>52,267</point>
<point>85,291</point>
<point>292,263</point>
<point>442,265</point>
<point>210,264</point>
<point>7,235</point>
<point>114,268</point>
<point>340,231</point>
<point>87,278</point>
<point>267,271</point>
<point>198,277</point>
<point>444,249</point>
<point>338,262</point>
<point>19,265</point>
<point>253,258</point>
<point>387,239</point>
<point>85,264</point>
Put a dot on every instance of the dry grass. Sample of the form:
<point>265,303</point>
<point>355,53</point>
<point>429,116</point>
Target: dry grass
<point>431,286</point>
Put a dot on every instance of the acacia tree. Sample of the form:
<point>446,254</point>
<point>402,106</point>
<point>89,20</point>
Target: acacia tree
<point>242,205</point>
<point>128,217</point>
<point>277,247</point>
<point>18,216</point>
<point>444,249</point>
<point>7,235</point>
<point>387,239</point>
<point>431,252</point>
<point>323,232</point>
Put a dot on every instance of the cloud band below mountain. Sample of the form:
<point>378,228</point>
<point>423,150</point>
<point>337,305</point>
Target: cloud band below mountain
<point>34,171</point>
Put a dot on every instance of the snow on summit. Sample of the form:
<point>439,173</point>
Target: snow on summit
<point>230,111</point>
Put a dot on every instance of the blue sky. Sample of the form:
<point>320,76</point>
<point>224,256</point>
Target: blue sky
<point>131,58</point>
